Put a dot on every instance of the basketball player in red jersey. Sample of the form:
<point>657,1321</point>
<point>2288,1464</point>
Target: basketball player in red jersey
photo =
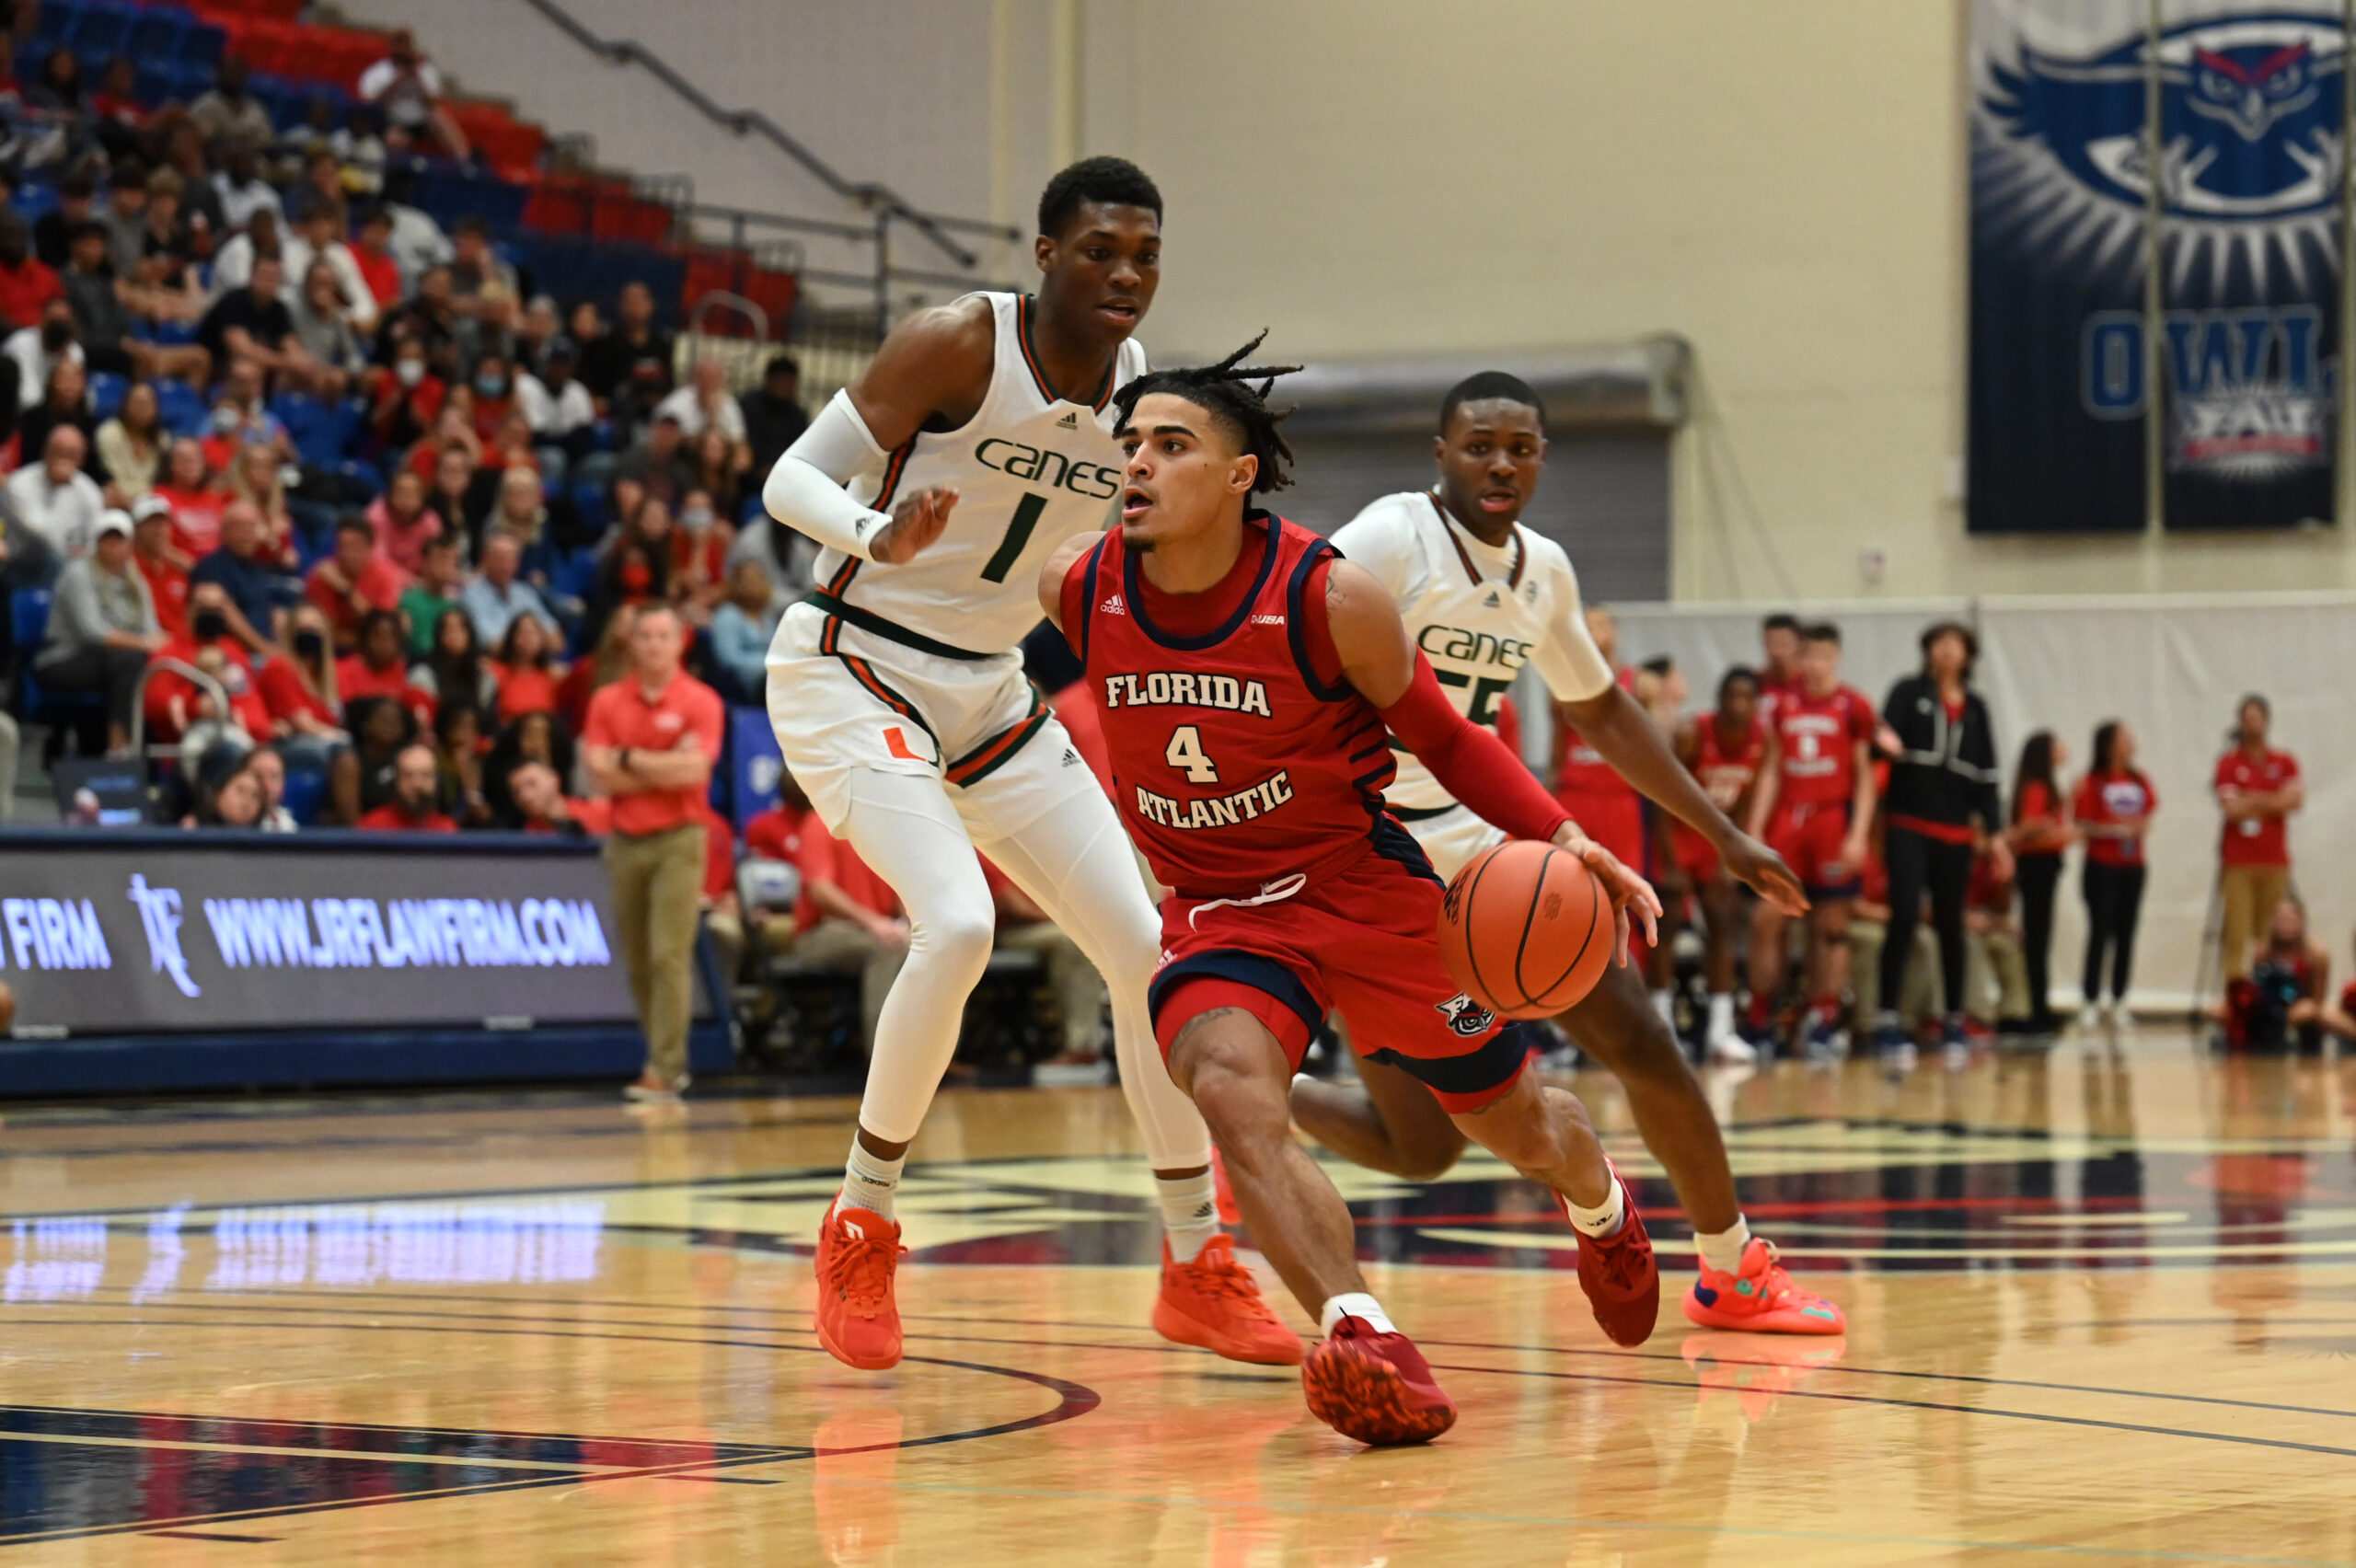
<point>1605,805</point>
<point>1815,802</point>
<point>1249,675</point>
<point>1779,648</point>
<point>1724,750</point>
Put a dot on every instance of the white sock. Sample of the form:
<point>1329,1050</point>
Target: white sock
<point>1364,1308</point>
<point>1605,1217</point>
<point>1724,1250</point>
<point>1189,1213</point>
<point>868,1180</point>
<point>1721,1014</point>
<point>1665,1004</point>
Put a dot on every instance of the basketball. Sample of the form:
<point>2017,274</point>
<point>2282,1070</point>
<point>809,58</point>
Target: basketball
<point>1526,928</point>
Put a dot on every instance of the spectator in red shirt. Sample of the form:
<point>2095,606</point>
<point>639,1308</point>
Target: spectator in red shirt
<point>376,666</point>
<point>2113,807</point>
<point>373,251</point>
<point>306,711</point>
<point>151,551</point>
<point>353,581</point>
<point>27,284</point>
<point>415,806</point>
<point>173,703</point>
<point>542,806</point>
<point>2259,788</point>
<point>650,743</point>
<point>195,499</point>
<point>527,669</point>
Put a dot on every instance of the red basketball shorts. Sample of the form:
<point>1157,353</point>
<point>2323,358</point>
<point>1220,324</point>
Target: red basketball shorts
<point>1361,941</point>
<point>1808,835</point>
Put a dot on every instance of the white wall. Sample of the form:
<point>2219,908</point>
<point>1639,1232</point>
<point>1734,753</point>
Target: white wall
<point>1782,184</point>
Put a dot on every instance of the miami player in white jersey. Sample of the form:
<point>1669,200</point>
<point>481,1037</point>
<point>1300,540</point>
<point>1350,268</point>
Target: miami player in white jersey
<point>978,439</point>
<point>1483,595</point>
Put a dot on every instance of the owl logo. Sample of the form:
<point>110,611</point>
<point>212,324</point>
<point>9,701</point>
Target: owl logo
<point>2251,159</point>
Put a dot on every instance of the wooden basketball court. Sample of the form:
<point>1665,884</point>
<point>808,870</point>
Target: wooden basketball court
<point>2103,1308</point>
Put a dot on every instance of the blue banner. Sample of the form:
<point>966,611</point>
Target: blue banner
<point>2251,174</point>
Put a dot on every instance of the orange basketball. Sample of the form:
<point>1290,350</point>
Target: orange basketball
<point>1526,928</point>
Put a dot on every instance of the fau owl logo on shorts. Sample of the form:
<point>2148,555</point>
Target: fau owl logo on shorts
<point>1465,1016</point>
<point>2250,164</point>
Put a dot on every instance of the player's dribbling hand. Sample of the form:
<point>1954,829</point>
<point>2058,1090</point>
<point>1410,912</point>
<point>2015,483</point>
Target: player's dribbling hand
<point>1763,871</point>
<point>1631,895</point>
<point>917,520</point>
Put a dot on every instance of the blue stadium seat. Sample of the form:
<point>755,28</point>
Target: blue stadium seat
<point>306,790</point>
<point>105,393</point>
<point>57,19</point>
<point>98,31</point>
<point>27,629</point>
<point>182,408</point>
<point>202,44</point>
<point>157,31</point>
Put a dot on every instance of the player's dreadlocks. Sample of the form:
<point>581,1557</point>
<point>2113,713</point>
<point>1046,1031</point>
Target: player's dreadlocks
<point>1225,392</point>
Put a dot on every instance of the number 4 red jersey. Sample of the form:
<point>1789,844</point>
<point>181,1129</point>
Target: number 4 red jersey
<point>1235,765</point>
<point>1819,736</point>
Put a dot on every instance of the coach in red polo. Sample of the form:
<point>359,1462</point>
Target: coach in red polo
<point>2257,788</point>
<point>649,742</point>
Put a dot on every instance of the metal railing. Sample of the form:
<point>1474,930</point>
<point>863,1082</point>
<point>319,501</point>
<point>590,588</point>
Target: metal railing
<point>887,206</point>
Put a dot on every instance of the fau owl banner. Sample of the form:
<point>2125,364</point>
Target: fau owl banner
<point>2251,166</point>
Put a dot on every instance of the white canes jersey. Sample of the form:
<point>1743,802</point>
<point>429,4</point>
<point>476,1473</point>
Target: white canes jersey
<point>1032,468</point>
<point>1478,612</point>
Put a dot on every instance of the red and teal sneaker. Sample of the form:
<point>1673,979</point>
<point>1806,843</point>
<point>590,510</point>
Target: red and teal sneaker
<point>1761,1298</point>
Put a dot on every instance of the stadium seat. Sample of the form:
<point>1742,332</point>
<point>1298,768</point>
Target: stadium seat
<point>105,393</point>
<point>182,406</point>
<point>307,792</point>
<point>27,629</point>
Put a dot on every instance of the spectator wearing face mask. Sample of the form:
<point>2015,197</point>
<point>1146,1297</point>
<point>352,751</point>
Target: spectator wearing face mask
<point>174,703</point>
<point>700,557</point>
<point>494,396</point>
<point>300,690</point>
<point>246,571</point>
<point>35,350</point>
<point>405,398</point>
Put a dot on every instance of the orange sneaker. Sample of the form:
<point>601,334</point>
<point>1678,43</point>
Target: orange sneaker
<point>1215,1303</point>
<point>1375,1388</point>
<point>1620,1276</point>
<point>858,1253</point>
<point>1760,1298</point>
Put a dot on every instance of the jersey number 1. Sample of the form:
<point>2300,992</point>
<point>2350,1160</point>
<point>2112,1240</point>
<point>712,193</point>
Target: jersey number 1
<point>1018,533</point>
<point>1185,753</point>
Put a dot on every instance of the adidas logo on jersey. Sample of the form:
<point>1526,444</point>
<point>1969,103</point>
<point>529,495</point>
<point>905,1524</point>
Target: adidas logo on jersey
<point>1491,599</point>
<point>1069,421</point>
<point>1113,606</point>
<point>1071,758</point>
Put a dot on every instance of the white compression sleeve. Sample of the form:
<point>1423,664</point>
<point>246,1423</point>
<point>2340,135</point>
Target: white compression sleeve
<point>1076,864</point>
<point>905,828</point>
<point>805,490</point>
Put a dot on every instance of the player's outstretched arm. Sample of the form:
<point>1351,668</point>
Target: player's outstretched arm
<point>1378,659</point>
<point>1058,569</point>
<point>935,363</point>
<point>1625,735</point>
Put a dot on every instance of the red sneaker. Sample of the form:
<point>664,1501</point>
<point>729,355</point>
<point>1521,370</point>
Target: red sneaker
<point>1215,1303</point>
<point>1223,1194</point>
<point>1375,1388</point>
<point>858,1253</point>
<point>1622,1281</point>
<point>1760,1298</point>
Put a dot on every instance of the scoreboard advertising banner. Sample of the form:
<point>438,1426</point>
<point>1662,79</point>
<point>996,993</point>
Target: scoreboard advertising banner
<point>2251,172</point>
<point>136,933</point>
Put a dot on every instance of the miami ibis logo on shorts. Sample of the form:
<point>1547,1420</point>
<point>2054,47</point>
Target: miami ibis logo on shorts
<point>1465,1016</point>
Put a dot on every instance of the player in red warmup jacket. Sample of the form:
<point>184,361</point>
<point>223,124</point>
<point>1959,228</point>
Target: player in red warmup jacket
<point>1814,803</point>
<point>1723,749</point>
<point>1247,676</point>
